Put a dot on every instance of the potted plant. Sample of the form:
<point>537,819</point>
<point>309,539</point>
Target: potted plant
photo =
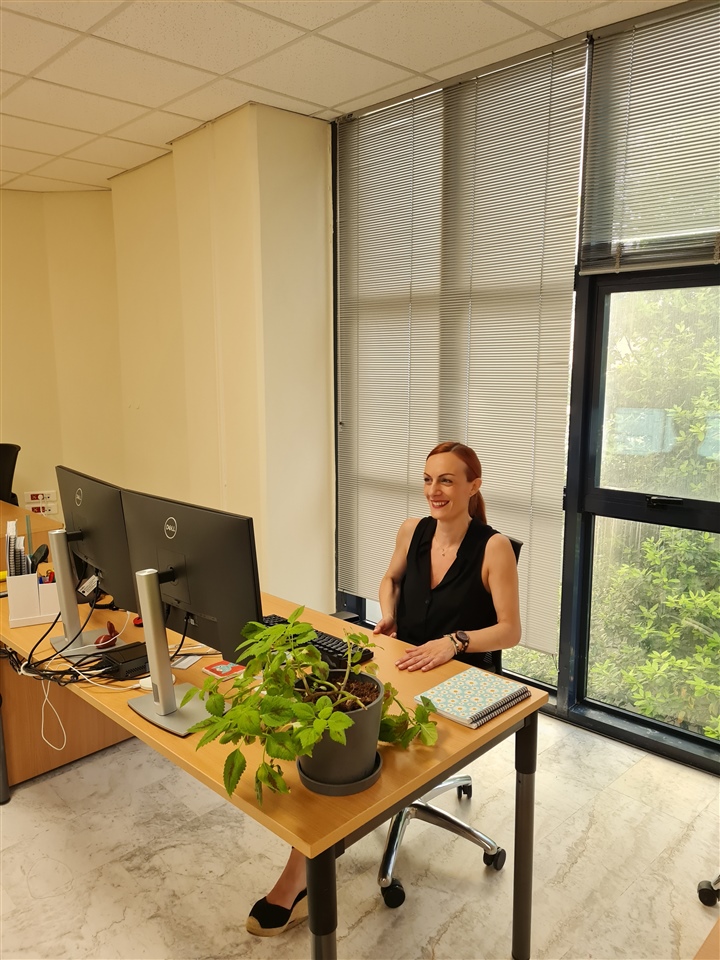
<point>288,701</point>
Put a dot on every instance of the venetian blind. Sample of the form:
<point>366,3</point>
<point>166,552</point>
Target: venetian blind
<point>652,178</point>
<point>456,244</point>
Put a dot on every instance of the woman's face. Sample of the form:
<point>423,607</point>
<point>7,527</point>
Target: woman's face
<point>447,488</point>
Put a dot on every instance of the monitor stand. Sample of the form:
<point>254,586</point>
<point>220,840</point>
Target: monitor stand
<point>162,706</point>
<point>84,643</point>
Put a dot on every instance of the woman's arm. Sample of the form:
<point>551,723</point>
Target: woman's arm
<point>500,573</point>
<point>390,584</point>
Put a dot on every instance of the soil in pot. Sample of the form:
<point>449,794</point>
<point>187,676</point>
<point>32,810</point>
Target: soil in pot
<point>354,762</point>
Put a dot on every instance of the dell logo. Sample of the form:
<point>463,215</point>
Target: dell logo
<point>170,528</point>
<point>78,496</point>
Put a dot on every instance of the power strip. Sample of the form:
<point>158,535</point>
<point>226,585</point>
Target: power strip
<point>126,662</point>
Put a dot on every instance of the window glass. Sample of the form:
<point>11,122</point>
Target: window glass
<point>661,417</point>
<point>654,640</point>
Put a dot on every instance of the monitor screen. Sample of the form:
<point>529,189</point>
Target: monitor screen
<point>213,587</point>
<point>96,532</point>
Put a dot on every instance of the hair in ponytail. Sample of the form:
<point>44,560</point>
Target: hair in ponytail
<point>473,470</point>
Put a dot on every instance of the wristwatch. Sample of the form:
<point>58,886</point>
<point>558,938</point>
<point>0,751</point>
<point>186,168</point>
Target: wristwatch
<point>463,640</point>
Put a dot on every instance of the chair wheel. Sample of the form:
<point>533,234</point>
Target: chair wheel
<point>707,893</point>
<point>394,895</point>
<point>496,860</point>
<point>464,791</point>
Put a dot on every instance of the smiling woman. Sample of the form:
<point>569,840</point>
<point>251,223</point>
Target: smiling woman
<point>451,587</point>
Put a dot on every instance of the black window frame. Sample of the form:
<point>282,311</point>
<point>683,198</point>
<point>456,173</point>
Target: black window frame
<point>584,500</point>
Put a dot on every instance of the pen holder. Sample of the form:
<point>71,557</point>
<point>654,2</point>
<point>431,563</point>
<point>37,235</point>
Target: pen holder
<point>31,602</point>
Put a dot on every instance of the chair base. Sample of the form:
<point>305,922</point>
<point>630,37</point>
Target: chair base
<point>391,889</point>
<point>709,891</point>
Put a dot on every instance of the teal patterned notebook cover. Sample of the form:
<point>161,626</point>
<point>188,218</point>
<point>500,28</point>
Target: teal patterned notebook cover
<point>473,697</point>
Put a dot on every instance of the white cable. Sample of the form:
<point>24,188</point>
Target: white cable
<point>105,686</point>
<point>46,703</point>
<point>100,671</point>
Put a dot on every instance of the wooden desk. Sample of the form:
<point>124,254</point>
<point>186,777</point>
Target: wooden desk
<point>27,755</point>
<point>321,827</point>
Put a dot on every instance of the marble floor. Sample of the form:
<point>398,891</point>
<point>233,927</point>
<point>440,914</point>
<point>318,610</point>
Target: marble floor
<point>122,855</point>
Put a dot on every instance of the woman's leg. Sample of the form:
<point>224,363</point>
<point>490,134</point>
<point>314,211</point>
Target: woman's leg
<point>285,905</point>
<point>290,882</point>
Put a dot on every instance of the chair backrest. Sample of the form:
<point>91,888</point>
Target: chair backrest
<point>492,660</point>
<point>8,458</point>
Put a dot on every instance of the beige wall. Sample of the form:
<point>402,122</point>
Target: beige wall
<point>296,219</point>
<point>207,278</point>
<point>83,303</point>
<point>60,392</point>
<point>153,427</point>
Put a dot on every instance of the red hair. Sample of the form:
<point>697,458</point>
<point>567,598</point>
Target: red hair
<point>473,470</point>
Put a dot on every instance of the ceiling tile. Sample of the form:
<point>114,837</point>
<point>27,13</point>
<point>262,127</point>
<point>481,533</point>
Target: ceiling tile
<point>156,128</point>
<point>25,44</point>
<point>605,14</point>
<point>39,100</point>
<point>69,13</point>
<point>79,171</point>
<point>319,71</point>
<point>225,95</point>
<point>380,96</point>
<point>118,153</point>
<point>114,71</point>
<point>545,11</point>
<point>216,36</point>
<point>306,13</point>
<point>483,58</point>
<point>20,161</point>
<point>29,135</point>
<point>8,80</point>
<point>46,185</point>
<point>424,33</point>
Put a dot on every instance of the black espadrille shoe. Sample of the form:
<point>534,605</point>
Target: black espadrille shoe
<point>270,920</point>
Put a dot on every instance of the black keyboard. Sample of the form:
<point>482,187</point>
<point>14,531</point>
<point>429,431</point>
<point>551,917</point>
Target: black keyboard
<point>333,650</point>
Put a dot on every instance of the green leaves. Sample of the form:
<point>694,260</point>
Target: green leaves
<point>274,704</point>
<point>232,771</point>
<point>269,775</point>
<point>337,724</point>
<point>405,727</point>
<point>215,704</point>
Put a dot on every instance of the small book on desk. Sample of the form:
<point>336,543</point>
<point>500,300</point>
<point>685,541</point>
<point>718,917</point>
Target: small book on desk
<point>473,697</point>
<point>223,669</point>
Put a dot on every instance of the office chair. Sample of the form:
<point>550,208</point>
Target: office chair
<point>493,856</point>
<point>709,891</point>
<point>8,457</point>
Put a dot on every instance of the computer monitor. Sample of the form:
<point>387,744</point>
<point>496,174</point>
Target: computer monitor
<point>94,534</point>
<point>208,557</point>
<point>197,573</point>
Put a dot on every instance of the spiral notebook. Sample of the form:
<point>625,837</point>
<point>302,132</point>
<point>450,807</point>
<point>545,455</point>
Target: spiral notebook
<point>473,697</point>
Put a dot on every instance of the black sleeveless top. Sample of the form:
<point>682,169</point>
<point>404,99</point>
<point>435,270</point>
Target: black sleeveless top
<point>459,602</point>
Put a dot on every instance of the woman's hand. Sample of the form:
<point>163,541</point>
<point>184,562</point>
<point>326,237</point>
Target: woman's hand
<point>386,626</point>
<point>429,655</point>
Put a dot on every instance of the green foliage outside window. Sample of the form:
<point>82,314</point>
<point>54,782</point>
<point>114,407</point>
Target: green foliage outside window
<point>655,625</point>
<point>655,617</point>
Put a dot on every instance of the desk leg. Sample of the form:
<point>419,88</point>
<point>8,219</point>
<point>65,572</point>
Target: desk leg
<point>4,785</point>
<point>322,905</point>
<point>525,766</point>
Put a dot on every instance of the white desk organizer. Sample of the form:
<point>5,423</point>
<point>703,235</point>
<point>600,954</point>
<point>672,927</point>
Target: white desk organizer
<point>31,602</point>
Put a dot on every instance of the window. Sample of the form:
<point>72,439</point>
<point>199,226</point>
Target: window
<point>457,241</point>
<point>639,625</point>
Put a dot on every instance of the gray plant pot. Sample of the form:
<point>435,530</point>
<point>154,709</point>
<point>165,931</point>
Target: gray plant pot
<point>338,769</point>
